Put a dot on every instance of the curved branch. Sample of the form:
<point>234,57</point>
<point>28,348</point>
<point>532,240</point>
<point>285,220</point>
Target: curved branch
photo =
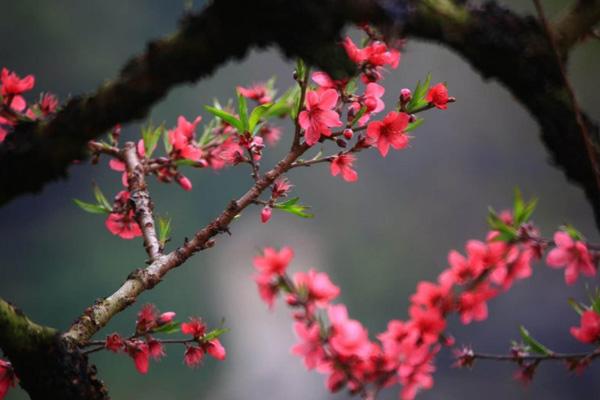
<point>576,23</point>
<point>43,151</point>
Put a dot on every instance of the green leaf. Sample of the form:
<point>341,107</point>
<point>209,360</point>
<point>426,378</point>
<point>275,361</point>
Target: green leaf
<point>414,125</point>
<point>351,86</point>
<point>256,115</point>
<point>164,230</point>
<point>574,233</point>
<point>359,115</point>
<point>100,198</point>
<point>150,134</point>
<point>91,208</point>
<point>291,206</point>
<point>507,232</point>
<point>215,333</point>
<point>171,327</point>
<point>579,308</point>
<point>533,344</point>
<point>418,98</point>
<point>243,112</point>
<point>300,68</point>
<point>227,117</point>
<point>166,142</point>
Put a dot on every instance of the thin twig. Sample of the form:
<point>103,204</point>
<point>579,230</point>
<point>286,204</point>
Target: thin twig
<point>589,146</point>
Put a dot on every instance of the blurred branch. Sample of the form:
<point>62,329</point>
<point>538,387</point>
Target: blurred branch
<point>577,21</point>
<point>45,366</point>
<point>497,42</point>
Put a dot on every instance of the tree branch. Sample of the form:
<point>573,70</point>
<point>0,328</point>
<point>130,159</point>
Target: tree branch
<point>99,314</point>
<point>576,23</point>
<point>141,199</point>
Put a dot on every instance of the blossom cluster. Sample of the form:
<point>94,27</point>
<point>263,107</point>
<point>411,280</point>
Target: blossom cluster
<point>13,106</point>
<point>405,352</point>
<point>142,345</point>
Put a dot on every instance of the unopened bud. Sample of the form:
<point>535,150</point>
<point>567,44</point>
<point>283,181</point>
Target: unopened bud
<point>265,214</point>
<point>341,142</point>
<point>405,95</point>
<point>348,133</point>
<point>184,182</point>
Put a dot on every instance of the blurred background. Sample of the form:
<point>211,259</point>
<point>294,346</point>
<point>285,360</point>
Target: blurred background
<point>376,238</point>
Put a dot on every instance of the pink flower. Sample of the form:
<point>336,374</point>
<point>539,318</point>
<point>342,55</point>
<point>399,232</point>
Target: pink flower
<point>354,53</point>
<point>317,285</point>
<point>195,327</point>
<point>123,225</point>
<point>12,85</point>
<point>349,338</point>
<point>216,350</point>
<point>430,295</point>
<point>155,348</point>
<point>319,115</point>
<point>166,318</point>
<point>258,92</point>
<point>572,254</point>
<point>310,347</point>
<point>146,319</point>
<point>343,164</point>
<point>182,139</point>
<point>193,356</point>
<point>267,289</point>
<point>438,96</point>
<point>265,214</point>
<point>429,322</point>
<point>589,329</point>
<point>281,188</point>
<point>271,134</point>
<point>114,343</point>
<point>472,304</point>
<point>325,82</point>
<point>140,353</point>
<point>389,132</point>
<point>273,262</point>
<point>378,54</point>
<point>8,378</point>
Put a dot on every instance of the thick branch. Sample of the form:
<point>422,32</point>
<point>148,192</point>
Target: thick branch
<point>100,313</point>
<point>514,50</point>
<point>42,152</point>
<point>46,367</point>
<point>141,199</point>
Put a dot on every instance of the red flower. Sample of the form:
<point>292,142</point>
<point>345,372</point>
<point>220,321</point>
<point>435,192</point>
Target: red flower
<point>216,349</point>
<point>8,378</point>
<point>114,343</point>
<point>589,329</point>
<point>140,353</point>
<point>281,187</point>
<point>325,82</point>
<point>349,338</point>
<point>318,286</point>
<point>195,327</point>
<point>267,289</point>
<point>146,319</point>
<point>193,356</point>
<point>258,92</point>
<point>572,254</point>
<point>123,225</point>
<point>438,96</point>
<point>343,164</point>
<point>155,348</point>
<point>182,139</point>
<point>389,132</point>
<point>472,304</point>
<point>12,85</point>
<point>310,347</point>
<point>319,115</point>
<point>273,262</point>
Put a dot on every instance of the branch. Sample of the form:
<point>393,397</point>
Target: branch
<point>100,313</point>
<point>46,367</point>
<point>43,151</point>
<point>141,199</point>
<point>576,23</point>
<point>514,50</point>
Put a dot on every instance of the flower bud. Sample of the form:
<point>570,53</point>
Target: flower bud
<point>184,182</point>
<point>405,95</point>
<point>166,317</point>
<point>348,133</point>
<point>265,214</point>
